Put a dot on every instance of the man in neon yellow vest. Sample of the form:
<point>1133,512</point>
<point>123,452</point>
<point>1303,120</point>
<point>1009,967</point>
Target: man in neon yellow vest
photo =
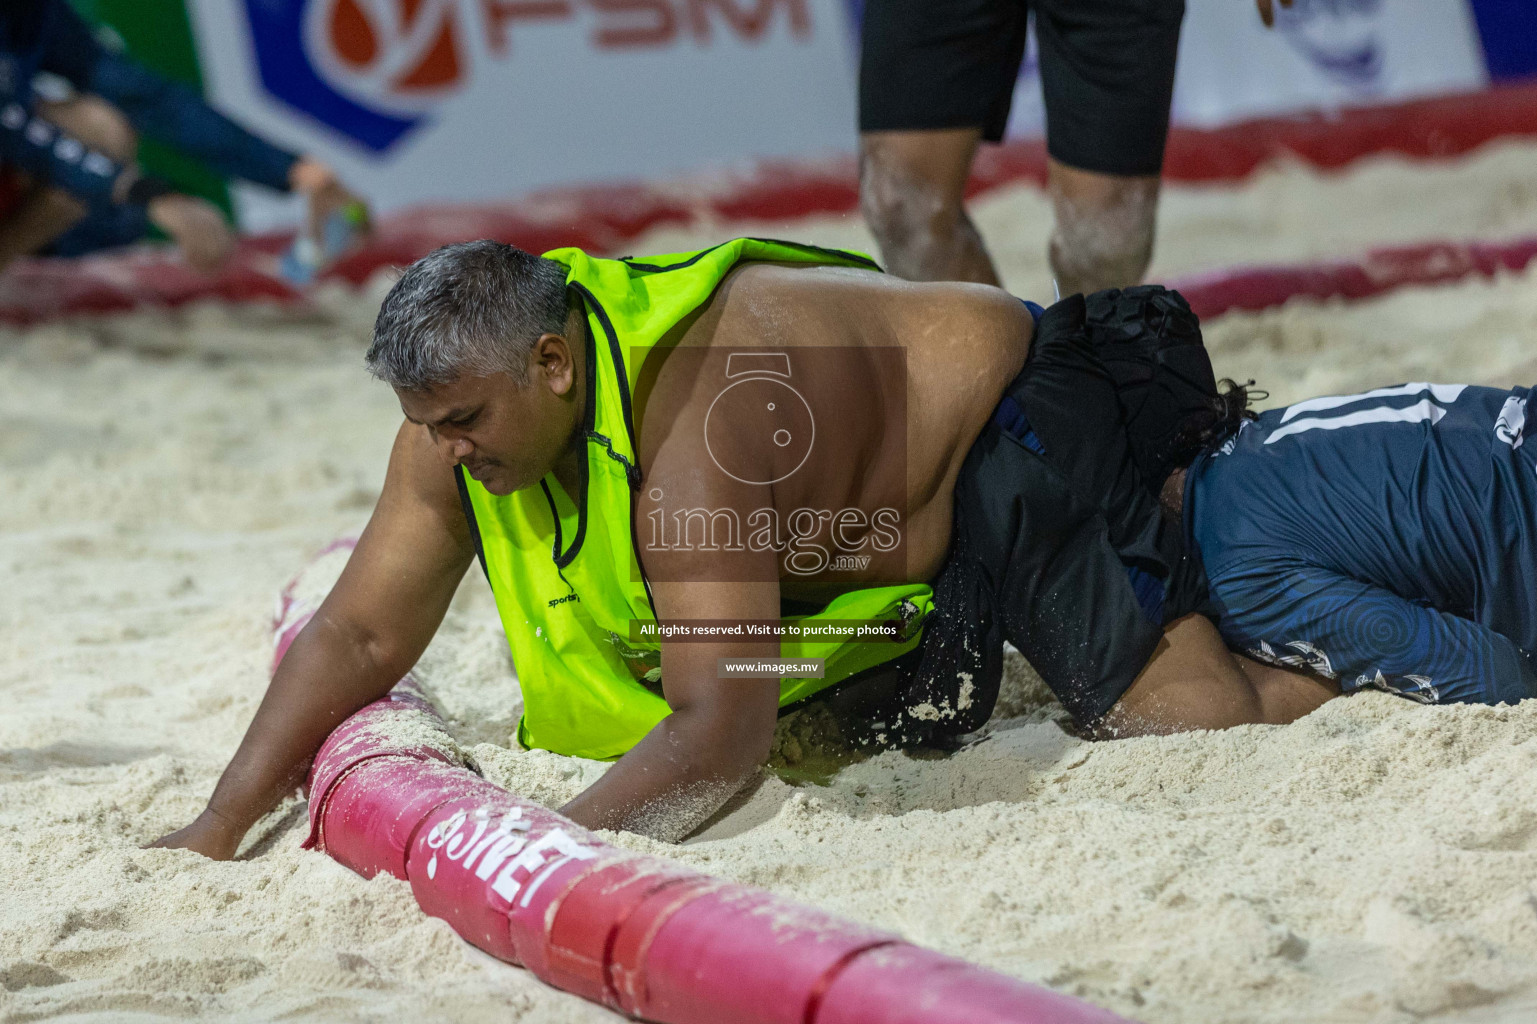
<point>705,486</point>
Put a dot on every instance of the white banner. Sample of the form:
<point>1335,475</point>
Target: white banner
<point>1321,55</point>
<point>419,101</point>
<point>463,100</point>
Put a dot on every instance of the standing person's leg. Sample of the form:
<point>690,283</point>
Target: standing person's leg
<point>1103,237</point>
<point>1107,73</point>
<point>46,214</point>
<point>912,192</point>
<point>96,123</point>
<point>936,77</point>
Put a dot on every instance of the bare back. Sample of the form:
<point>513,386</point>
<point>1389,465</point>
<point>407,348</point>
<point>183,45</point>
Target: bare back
<point>831,405</point>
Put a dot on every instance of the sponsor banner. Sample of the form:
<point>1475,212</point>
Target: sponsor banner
<point>1321,55</point>
<point>1508,30</point>
<point>464,100</point>
<point>423,101</point>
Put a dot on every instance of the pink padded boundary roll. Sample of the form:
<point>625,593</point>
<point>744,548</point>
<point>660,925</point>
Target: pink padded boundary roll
<point>643,935</point>
<point>1378,271</point>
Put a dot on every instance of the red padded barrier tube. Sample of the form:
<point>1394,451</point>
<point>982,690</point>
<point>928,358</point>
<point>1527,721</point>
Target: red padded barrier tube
<point>643,935</point>
<point>374,807</point>
<point>906,984</point>
<point>739,954</point>
<point>1379,271</point>
<point>589,914</point>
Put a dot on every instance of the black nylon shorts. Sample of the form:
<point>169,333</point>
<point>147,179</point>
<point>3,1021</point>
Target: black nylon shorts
<point>1058,545</point>
<point>1107,72</point>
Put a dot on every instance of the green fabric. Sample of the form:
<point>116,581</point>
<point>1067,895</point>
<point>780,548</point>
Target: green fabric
<point>567,612</point>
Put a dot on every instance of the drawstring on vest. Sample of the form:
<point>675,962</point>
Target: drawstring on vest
<point>631,471</point>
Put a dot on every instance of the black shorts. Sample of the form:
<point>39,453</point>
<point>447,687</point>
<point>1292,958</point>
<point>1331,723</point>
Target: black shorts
<point>1107,72</point>
<point>1058,546</point>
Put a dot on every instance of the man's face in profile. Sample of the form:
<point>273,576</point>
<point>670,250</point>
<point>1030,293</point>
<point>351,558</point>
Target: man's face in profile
<point>506,435</point>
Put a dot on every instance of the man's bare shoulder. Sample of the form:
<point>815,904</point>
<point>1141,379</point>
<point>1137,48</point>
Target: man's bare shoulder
<point>769,303</point>
<point>969,325</point>
<point>959,336</point>
<point>962,341</point>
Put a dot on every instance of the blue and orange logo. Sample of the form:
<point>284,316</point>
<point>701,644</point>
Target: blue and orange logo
<point>370,69</point>
<point>375,69</point>
<point>1341,38</point>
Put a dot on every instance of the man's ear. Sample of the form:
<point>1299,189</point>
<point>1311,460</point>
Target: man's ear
<point>553,363</point>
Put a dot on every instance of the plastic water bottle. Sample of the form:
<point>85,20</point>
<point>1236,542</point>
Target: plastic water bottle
<point>306,258</point>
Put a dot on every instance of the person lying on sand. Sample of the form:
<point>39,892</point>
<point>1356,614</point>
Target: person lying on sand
<point>659,462</point>
<point>1381,540</point>
<point>757,436</point>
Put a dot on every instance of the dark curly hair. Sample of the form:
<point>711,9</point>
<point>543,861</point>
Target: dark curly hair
<point>1228,410</point>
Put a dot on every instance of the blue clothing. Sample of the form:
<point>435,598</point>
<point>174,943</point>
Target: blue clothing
<point>49,36</point>
<point>1387,540</point>
<point>101,228</point>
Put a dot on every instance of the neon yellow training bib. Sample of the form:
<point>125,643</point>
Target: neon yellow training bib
<point>564,569</point>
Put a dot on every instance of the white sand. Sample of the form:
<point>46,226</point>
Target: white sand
<point>164,475</point>
<point>1286,214</point>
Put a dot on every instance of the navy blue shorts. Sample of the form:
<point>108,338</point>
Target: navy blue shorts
<point>1384,540</point>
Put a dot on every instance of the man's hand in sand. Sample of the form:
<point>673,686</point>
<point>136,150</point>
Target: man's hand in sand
<point>1267,10</point>
<point>197,227</point>
<point>366,635</point>
<point>209,834</point>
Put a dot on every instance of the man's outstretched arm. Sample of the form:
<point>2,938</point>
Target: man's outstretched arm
<point>719,731</point>
<point>368,633</point>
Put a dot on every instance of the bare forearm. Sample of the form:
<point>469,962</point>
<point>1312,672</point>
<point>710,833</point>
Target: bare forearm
<point>328,674</point>
<point>682,772</point>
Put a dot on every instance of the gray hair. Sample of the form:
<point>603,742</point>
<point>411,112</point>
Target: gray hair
<point>469,309</point>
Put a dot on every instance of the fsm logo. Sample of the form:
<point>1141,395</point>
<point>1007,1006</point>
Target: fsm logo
<point>375,69</point>
<point>1340,38</point>
<point>366,68</point>
<point>389,54</point>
